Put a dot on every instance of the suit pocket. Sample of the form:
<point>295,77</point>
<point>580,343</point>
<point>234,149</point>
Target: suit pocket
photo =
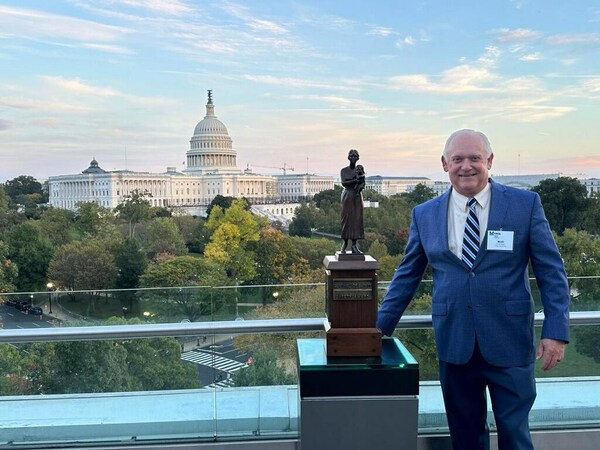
<point>438,309</point>
<point>519,308</point>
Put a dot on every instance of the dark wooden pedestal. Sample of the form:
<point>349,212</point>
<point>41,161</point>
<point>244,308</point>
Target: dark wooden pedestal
<point>351,300</point>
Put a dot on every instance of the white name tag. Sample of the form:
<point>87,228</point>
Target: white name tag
<point>500,240</point>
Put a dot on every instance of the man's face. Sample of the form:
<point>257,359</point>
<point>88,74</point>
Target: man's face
<point>467,164</point>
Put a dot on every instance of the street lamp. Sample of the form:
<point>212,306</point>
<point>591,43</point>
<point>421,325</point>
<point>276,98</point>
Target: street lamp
<point>50,286</point>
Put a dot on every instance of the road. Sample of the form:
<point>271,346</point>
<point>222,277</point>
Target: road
<point>13,318</point>
<point>217,363</point>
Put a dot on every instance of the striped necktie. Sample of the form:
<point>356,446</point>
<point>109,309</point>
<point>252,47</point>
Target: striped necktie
<point>471,237</point>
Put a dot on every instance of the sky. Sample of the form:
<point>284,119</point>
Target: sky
<point>299,83</point>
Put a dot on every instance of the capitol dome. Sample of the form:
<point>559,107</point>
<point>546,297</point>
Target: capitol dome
<point>210,125</point>
<point>211,148</point>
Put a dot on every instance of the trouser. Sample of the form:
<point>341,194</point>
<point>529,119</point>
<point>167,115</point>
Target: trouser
<point>512,393</point>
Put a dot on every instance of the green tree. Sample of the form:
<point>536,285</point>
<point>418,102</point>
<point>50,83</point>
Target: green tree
<point>231,233</point>
<point>591,221</point>
<point>275,256</point>
<point>135,208</point>
<point>377,250</point>
<point>91,218</point>
<point>191,228</point>
<point>24,185</point>
<point>421,343</point>
<point>87,366</point>
<point>31,252</point>
<point>587,341</point>
<point>301,303</point>
<point>302,222</point>
<point>315,249</point>
<point>8,271</point>
<point>329,196</point>
<point>184,272</point>
<point>264,370</point>
<point>225,202</point>
<point>155,364</point>
<point>163,236</point>
<point>420,194</point>
<point>131,264</point>
<point>58,226</point>
<point>564,200</point>
<point>84,265</point>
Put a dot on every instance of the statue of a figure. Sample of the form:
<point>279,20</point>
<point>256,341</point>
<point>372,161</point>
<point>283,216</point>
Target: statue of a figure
<point>353,181</point>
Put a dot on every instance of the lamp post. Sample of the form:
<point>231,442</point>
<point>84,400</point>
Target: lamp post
<point>50,286</point>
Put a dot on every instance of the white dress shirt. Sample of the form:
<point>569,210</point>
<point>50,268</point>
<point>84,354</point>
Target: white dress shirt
<point>457,217</point>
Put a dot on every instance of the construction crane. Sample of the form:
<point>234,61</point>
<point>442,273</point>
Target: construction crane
<point>285,168</point>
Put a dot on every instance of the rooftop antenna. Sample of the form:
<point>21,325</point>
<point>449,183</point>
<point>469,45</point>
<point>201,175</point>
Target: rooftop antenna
<point>307,165</point>
<point>125,156</point>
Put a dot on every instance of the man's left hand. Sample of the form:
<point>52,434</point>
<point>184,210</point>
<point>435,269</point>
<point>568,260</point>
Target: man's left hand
<point>552,351</point>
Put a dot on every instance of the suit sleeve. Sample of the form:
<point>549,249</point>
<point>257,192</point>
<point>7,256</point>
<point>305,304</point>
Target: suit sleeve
<point>405,281</point>
<point>549,271</point>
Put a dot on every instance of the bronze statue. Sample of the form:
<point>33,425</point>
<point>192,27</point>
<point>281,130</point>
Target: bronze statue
<point>353,181</point>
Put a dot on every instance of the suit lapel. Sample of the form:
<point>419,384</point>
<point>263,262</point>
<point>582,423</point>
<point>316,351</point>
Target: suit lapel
<point>499,204</point>
<point>442,217</point>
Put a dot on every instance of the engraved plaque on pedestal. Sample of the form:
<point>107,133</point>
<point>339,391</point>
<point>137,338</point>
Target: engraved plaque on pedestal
<point>351,300</point>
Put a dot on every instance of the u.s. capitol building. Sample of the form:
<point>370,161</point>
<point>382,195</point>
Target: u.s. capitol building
<point>211,170</point>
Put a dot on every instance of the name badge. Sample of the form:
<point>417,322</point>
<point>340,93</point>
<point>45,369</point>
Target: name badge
<point>500,240</point>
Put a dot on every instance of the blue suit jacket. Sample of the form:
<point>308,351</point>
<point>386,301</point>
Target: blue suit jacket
<point>492,302</point>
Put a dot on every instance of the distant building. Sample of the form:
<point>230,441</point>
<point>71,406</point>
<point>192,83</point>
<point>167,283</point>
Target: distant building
<point>592,185</point>
<point>211,170</point>
<point>294,188</point>
<point>394,185</point>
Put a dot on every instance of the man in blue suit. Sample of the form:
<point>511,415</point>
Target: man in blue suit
<point>482,307</point>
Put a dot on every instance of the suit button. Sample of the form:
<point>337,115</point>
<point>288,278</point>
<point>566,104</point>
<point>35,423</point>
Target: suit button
<point>471,274</point>
<point>469,307</point>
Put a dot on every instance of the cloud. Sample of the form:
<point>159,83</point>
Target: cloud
<point>36,24</point>
<point>44,104</point>
<point>490,56</point>
<point>380,31</point>
<point>405,41</point>
<point>345,103</point>
<point>241,12</point>
<point>537,56</point>
<point>108,48</point>
<point>518,34</point>
<point>171,7</point>
<point>457,80</point>
<point>574,38</point>
<point>5,124</point>
<point>76,86</point>
<point>296,82</point>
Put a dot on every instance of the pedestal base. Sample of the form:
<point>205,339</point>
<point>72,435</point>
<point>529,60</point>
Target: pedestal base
<point>353,342</point>
<point>357,403</point>
<point>359,423</point>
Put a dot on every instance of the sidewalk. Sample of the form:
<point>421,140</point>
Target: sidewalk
<point>58,312</point>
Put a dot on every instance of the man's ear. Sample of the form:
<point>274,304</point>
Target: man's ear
<point>489,161</point>
<point>444,164</point>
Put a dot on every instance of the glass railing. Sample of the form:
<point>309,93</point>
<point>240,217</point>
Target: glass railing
<point>210,363</point>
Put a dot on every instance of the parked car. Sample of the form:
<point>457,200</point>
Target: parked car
<point>36,311</point>
<point>22,306</point>
<point>10,302</point>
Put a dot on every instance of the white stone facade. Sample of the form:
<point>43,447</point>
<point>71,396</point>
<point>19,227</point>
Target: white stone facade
<point>211,170</point>
<point>394,185</point>
<point>294,188</point>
